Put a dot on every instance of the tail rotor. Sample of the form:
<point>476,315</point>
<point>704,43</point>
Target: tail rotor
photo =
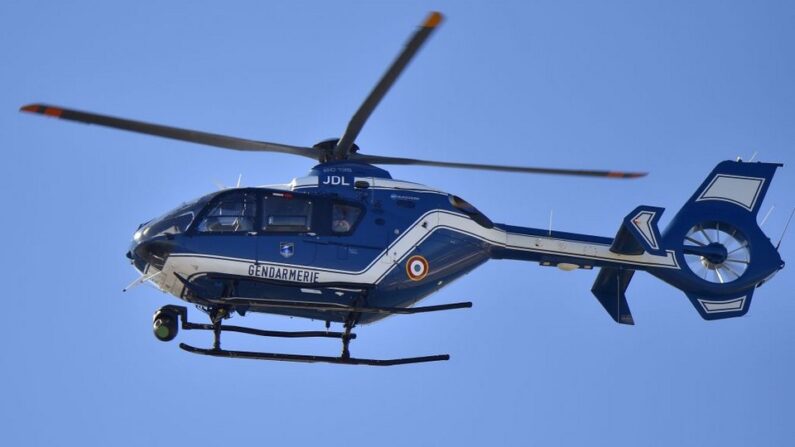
<point>717,252</point>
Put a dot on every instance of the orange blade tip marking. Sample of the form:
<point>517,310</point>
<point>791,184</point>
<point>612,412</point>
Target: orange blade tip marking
<point>52,111</point>
<point>433,20</point>
<point>33,108</point>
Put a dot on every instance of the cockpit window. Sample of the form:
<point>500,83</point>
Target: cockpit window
<point>174,222</point>
<point>170,225</point>
<point>285,212</point>
<point>344,217</point>
<point>232,213</point>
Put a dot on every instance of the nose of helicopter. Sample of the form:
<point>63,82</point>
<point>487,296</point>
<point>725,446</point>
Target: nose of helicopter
<point>151,252</point>
<point>155,240</point>
<point>138,254</point>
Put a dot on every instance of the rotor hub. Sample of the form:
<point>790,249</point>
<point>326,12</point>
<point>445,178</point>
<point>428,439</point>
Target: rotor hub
<point>714,255</point>
<point>327,147</point>
<point>717,252</point>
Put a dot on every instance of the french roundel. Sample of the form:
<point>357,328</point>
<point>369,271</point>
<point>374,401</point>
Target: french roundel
<point>417,268</point>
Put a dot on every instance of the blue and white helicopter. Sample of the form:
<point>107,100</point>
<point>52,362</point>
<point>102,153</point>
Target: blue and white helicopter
<point>348,243</point>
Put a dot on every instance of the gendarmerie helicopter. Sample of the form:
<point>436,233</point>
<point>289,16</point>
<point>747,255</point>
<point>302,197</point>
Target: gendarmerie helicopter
<point>349,244</point>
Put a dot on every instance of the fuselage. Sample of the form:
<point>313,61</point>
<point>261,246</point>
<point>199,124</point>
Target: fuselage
<point>347,234</point>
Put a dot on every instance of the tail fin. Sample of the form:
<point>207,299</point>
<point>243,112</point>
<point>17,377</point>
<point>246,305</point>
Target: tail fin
<point>721,252</point>
<point>638,234</point>
<point>609,288</point>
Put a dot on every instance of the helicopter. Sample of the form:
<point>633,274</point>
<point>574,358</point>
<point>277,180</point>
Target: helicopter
<point>349,244</point>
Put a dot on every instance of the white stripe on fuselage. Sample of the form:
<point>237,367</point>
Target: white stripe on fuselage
<point>190,264</point>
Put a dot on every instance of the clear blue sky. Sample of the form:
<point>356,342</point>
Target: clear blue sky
<point>668,87</point>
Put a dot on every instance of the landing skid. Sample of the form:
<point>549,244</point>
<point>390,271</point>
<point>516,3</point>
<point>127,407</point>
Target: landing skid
<point>167,319</point>
<point>311,358</point>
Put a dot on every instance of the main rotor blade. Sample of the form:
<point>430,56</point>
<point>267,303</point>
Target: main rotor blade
<point>375,159</point>
<point>366,109</point>
<point>175,133</point>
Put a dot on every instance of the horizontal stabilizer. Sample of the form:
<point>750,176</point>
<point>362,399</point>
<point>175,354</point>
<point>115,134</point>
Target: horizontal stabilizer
<point>609,288</point>
<point>639,232</point>
<point>717,308</point>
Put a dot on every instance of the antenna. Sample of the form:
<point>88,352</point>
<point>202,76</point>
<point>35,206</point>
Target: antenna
<point>239,178</point>
<point>141,279</point>
<point>550,223</point>
<point>753,156</point>
<point>767,215</point>
<point>785,228</point>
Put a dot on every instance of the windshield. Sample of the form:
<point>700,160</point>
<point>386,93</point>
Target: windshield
<point>175,221</point>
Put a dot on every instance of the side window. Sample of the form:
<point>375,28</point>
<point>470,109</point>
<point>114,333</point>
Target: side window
<point>344,217</point>
<point>286,213</point>
<point>233,213</point>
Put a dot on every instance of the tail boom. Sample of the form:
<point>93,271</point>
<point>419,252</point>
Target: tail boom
<point>713,249</point>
